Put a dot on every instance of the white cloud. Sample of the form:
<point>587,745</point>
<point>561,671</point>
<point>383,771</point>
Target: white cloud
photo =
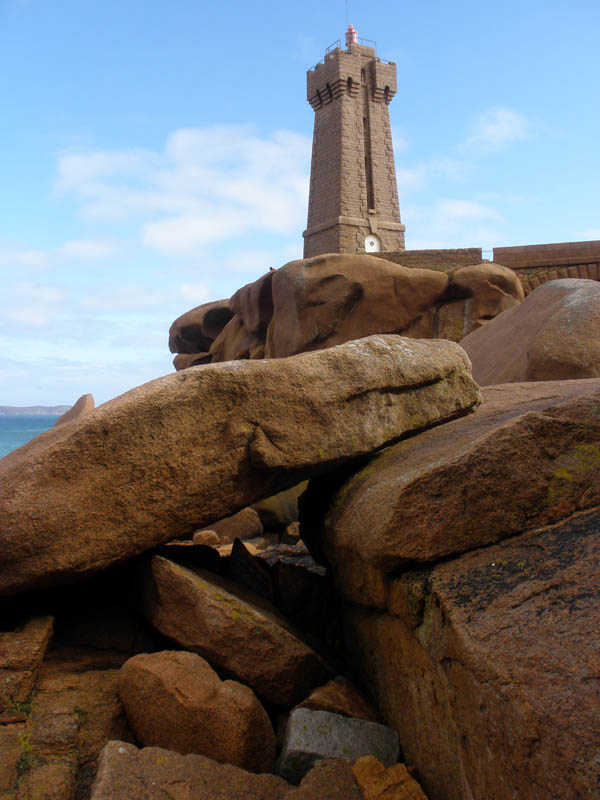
<point>453,210</point>
<point>17,257</point>
<point>590,233</point>
<point>86,249</point>
<point>452,223</point>
<point>29,304</point>
<point>184,233</point>
<point>257,262</point>
<point>424,173</point>
<point>80,171</point>
<point>195,293</point>
<point>22,257</point>
<point>206,186</point>
<point>399,143</point>
<point>125,298</point>
<point>496,128</point>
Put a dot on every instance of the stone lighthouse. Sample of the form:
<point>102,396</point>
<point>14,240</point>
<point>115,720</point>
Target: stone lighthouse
<point>353,203</point>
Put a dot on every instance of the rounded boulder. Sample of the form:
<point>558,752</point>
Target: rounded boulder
<point>175,700</point>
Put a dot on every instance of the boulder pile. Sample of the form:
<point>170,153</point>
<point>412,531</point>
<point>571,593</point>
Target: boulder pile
<point>320,564</point>
<point>327,300</point>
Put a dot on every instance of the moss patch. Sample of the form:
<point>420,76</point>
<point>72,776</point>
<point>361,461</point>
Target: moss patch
<point>28,758</point>
<point>575,470</point>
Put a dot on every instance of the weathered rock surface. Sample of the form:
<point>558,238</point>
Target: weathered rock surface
<point>243,525</point>
<point>177,701</point>
<point>553,335</point>
<point>245,570</point>
<point>326,300</point>
<point>206,537</point>
<point>487,665</point>
<point>313,735</point>
<point>236,631</point>
<point>21,654</point>
<point>195,331</point>
<point>10,756</point>
<point>477,294</point>
<point>178,453</point>
<point>186,360</point>
<point>339,696</point>
<point>330,779</point>
<point>529,456</point>
<point>378,782</point>
<point>71,713</point>
<point>244,335</point>
<point>235,342</point>
<point>253,304</point>
<point>154,774</point>
<point>319,302</point>
<point>280,510</point>
<point>291,535</point>
<point>81,407</point>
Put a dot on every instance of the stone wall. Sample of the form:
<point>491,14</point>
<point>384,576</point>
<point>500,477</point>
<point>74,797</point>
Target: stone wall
<point>441,260</point>
<point>534,264</point>
<point>539,263</point>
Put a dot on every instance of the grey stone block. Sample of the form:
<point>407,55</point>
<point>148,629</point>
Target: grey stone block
<point>312,735</point>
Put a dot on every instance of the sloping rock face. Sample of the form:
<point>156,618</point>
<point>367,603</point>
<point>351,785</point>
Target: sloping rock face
<point>450,489</point>
<point>235,630</point>
<point>553,335</point>
<point>193,447</point>
<point>320,302</point>
<point>177,701</point>
<point>487,666</point>
<point>84,405</point>
<point>470,593</point>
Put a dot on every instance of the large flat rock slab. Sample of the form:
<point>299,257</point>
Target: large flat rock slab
<point>190,448</point>
<point>529,456</point>
<point>487,665</point>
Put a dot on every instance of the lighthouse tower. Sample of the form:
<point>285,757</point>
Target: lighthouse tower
<point>353,204</point>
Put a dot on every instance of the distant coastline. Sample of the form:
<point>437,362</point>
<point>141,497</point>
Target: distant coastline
<point>34,410</point>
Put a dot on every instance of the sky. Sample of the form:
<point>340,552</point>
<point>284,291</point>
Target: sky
<point>156,155</point>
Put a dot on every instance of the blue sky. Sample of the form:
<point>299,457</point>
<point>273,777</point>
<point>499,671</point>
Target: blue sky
<point>155,156</point>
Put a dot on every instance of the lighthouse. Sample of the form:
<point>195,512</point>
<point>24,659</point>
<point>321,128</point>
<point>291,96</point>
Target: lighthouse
<point>353,202</point>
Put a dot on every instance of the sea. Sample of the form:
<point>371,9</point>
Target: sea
<point>16,429</point>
